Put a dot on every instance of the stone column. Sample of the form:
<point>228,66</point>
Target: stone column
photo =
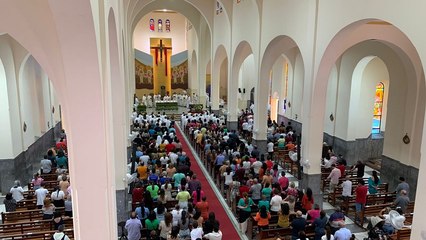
<point>232,125</point>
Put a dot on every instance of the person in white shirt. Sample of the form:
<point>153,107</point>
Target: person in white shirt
<point>41,194</point>
<point>144,159</point>
<point>17,191</point>
<point>276,201</point>
<point>270,148</point>
<point>256,166</point>
<point>347,188</point>
<point>46,165</point>
<point>197,231</point>
<point>215,235</point>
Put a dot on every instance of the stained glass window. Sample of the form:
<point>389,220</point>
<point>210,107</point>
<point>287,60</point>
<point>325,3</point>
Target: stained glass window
<point>167,25</point>
<point>152,25</point>
<point>378,107</point>
<point>160,25</point>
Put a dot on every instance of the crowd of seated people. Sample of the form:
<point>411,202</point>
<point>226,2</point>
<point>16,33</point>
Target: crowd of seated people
<point>49,191</point>
<point>168,199</point>
<point>257,187</point>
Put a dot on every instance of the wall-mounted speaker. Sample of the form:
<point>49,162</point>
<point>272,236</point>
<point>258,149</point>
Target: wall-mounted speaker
<point>239,90</point>
<point>244,90</point>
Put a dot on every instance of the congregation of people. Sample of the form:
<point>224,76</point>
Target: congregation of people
<point>259,188</point>
<point>49,191</point>
<point>168,201</point>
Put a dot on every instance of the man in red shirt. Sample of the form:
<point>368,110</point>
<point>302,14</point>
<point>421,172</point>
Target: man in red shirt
<point>62,144</point>
<point>269,163</point>
<point>170,147</point>
<point>137,195</point>
<point>283,181</point>
<point>361,198</point>
<point>244,188</point>
<point>342,169</point>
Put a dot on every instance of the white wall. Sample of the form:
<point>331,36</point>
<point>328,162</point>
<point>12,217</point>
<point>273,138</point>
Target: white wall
<point>6,151</point>
<point>142,33</point>
<point>363,91</point>
<point>193,66</point>
<point>278,82</point>
<point>247,78</point>
<point>333,82</point>
<point>32,103</point>
<point>297,87</point>
<point>223,91</point>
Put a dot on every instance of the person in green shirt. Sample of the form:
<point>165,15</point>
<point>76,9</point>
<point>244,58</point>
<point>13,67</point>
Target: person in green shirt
<point>263,202</point>
<point>267,190</point>
<point>153,190</point>
<point>177,178</point>
<point>244,204</point>
<point>151,224</point>
<point>183,196</point>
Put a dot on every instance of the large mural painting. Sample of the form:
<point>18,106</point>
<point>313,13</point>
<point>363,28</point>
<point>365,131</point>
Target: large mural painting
<point>180,76</point>
<point>144,76</point>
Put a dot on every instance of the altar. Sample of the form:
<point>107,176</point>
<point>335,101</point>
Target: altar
<point>166,105</point>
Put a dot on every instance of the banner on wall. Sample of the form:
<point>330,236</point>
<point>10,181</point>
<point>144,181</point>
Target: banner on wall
<point>180,76</point>
<point>144,76</point>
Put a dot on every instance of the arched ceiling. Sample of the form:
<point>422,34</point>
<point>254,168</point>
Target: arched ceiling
<point>195,11</point>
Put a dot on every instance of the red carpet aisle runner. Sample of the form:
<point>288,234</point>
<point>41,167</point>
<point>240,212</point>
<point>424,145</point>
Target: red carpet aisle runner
<point>226,226</point>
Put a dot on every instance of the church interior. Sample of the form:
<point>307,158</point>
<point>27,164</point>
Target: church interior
<point>345,76</point>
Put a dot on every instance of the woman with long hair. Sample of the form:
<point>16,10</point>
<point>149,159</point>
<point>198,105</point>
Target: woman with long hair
<point>173,234</point>
<point>262,218</point>
<point>165,226</point>
<point>142,212</point>
<point>48,209</point>
<point>328,235</point>
<point>210,223</point>
<point>58,197</point>
<point>373,183</point>
<point>197,195</point>
<point>151,224</point>
<point>244,205</point>
<point>184,231</point>
<point>307,199</point>
<point>161,196</point>
<point>160,211</point>
<point>283,216</point>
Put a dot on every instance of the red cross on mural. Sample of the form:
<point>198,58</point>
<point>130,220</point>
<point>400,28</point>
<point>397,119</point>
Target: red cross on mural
<point>160,49</point>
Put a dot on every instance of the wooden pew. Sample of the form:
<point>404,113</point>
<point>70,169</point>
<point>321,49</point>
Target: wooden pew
<point>373,199</point>
<point>23,216</point>
<point>26,204</point>
<point>47,184</point>
<point>32,226</point>
<point>410,207</point>
<point>402,234</point>
<point>273,233</point>
<point>45,235</point>
<point>49,177</point>
<point>371,211</point>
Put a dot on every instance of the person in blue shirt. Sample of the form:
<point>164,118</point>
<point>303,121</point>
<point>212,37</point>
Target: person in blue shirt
<point>142,212</point>
<point>133,227</point>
